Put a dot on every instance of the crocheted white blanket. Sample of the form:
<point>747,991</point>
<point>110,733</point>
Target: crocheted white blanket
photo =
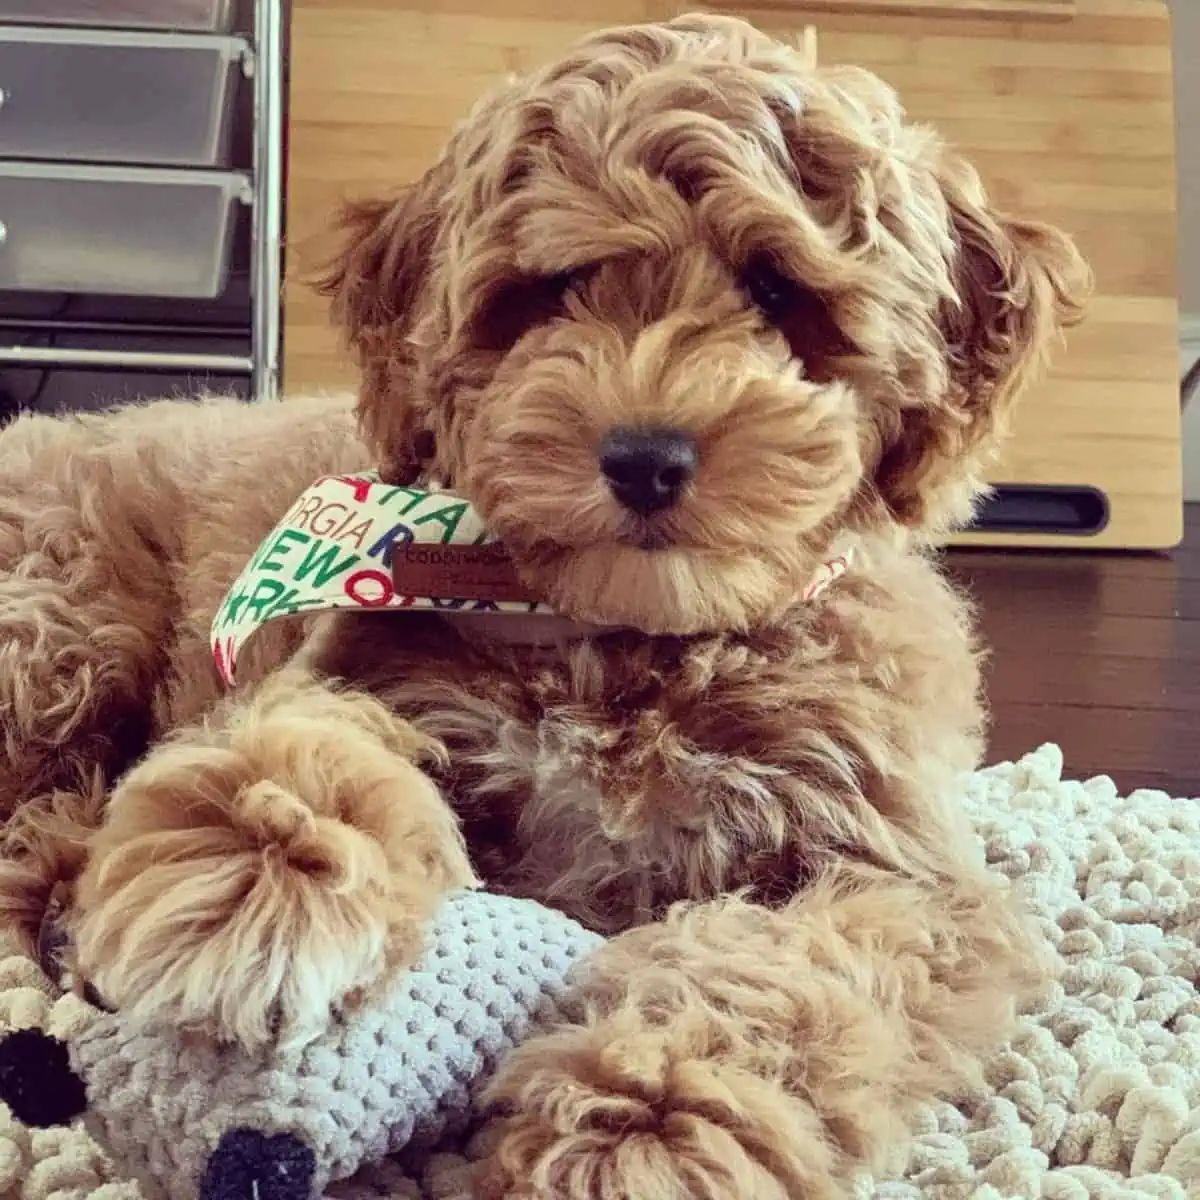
<point>1098,1095</point>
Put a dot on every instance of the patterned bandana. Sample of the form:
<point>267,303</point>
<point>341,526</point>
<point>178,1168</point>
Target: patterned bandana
<point>351,541</point>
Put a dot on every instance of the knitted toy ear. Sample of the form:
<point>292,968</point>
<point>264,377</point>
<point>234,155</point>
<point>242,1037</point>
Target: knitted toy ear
<point>37,1081</point>
<point>249,1165</point>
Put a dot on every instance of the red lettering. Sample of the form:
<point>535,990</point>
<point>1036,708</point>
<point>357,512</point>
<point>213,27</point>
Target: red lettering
<point>225,657</point>
<point>361,487</point>
<point>372,589</point>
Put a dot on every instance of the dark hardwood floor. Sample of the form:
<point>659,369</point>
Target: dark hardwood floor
<point>1100,653</point>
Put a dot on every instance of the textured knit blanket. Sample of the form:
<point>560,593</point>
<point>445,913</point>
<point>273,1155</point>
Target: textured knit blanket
<point>1097,1096</point>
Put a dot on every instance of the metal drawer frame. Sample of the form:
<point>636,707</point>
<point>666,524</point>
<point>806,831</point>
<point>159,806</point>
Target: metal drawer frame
<point>216,21</point>
<point>262,365</point>
<point>225,54</point>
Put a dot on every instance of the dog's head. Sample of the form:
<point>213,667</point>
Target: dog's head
<point>682,310</point>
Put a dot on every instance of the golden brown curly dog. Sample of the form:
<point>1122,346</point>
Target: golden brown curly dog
<point>685,317</point>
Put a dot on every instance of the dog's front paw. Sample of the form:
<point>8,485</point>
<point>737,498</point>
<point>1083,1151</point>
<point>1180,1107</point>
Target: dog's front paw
<point>255,873</point>
<point>609,1111</point>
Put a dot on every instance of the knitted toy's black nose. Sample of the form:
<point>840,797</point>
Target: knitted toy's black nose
<point>36,1079</point>
<point>249,1165</point>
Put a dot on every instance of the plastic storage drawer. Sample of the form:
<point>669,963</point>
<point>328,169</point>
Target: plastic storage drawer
<point>207,16</point>
<point>117,230</point>
<point>101,96</point>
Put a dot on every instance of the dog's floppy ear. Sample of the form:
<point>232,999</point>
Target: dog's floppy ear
<point>1017,285</point>
<point>385,254</point>
<point>375,282</point>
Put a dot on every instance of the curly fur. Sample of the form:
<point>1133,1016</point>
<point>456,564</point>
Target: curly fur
<point>685,225</point>
<point>226,847</point>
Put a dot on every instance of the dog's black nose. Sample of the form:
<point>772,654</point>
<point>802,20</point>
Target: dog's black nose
<point>648,469</point>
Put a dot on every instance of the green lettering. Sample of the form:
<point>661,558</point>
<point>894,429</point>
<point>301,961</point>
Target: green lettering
<point>292,603</point>
<point>232,607</point>
<point>447,517</point>
<point>280,546</point>
<point>415,496</point>
<point>323,563</point>
<point>266,593</point>
<point>287,603</point>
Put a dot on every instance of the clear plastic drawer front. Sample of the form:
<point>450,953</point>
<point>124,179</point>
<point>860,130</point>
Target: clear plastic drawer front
<point>208,16</point>
<point>101,96</point>
<point>117,230</point>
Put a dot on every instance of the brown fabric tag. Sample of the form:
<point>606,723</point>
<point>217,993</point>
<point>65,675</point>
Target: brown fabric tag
<point>447,572</point>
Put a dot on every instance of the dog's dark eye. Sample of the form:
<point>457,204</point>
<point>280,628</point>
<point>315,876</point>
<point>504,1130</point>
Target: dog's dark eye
<point>774,294</point>
<point>520,304</point>
<point>565,281</point>
<point>801,315</point>
<point>545,292</point>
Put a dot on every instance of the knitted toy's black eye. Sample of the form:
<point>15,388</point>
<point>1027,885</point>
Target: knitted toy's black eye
<point>37,1080</point>
<point>771,290</point>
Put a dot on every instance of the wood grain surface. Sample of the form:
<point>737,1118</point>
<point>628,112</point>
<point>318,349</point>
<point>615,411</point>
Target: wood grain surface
<point>1097,652</point>
<point>1068,120</point>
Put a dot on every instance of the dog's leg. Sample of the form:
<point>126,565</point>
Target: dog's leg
<point>255,870</point>
<point>86,609</point>
<point>87,603</point>
<point>79,658</point>
<point>743,1053</point>
<point>83,626</point>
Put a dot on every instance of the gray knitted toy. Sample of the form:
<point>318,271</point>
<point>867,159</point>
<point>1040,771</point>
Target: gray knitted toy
<point>192,1119</point>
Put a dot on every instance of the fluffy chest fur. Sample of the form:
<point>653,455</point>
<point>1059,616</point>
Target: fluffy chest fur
<point>614,774</point>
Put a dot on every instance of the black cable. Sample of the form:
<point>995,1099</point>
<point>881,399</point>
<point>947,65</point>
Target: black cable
<point>1189,384</point>
<point>39,388</point>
